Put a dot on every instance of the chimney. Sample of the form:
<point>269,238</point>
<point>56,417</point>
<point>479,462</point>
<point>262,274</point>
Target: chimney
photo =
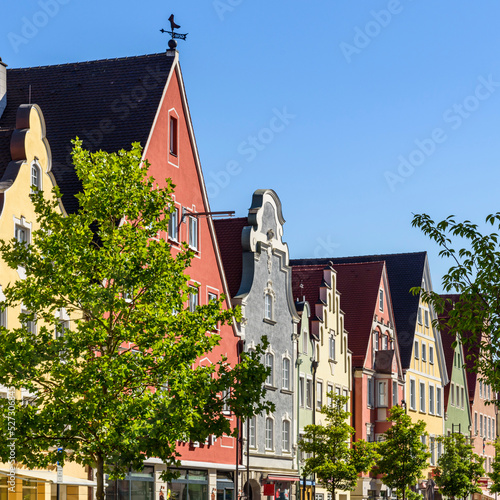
<point>3,87</point>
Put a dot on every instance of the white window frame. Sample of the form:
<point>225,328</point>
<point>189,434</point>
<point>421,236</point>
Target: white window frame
<point>268,306</point>
<point>431,354</point>
<point>285,435</point>
<point>173,225</point>
<point>439,399</point>
<point>381,394</point>
<point>269,361</point>
<point>252,432</point>
<point>413,394</point>
<point>193,233</point>
<point>332,347</point>
<point>193,299</point>
<point>269,434</point>
<point>432,401</point>
<point>319,394</point>
<point>424,351</point>
<point>309,393</point>
<point>35,167</point>
<point>416,349</point>
<point>286,373</point>
<point>302,391</point>
<point>381,300</point>
<point>371,392</point>
<point>422,397</point>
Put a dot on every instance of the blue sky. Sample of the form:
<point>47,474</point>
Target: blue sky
<point>357,113</point>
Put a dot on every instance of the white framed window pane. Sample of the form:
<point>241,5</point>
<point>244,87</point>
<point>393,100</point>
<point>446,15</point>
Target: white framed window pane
<point>431,399</point>
<point>268,306</point>
<point>381,300</point>
<point>319,394</point>
<point>173,225</point>
<point>270,364</point>
<point>286,435</point>
<point>269,433</point>
<point>438,400</point>
<point>193,301</point>
<point>251,429</point>
<point>412,395</point>
<point>286,373</point>
<point>309,393</point>
<point>422,396</point>
<point>193,232</point>
<point>332,347</point>
<point>381,394</point>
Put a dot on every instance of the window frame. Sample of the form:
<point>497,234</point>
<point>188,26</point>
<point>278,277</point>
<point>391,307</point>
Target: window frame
<point>285,431</point>
<point>269,434</point>
<point>269,363</point>
<point>285,381</point>
<point>173,136</point>
<point>193,234</point>
<point>173,226</point>
<point>381,300</point>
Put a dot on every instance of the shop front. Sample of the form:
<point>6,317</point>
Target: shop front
<point>191,484</point>
<point>135,486</point>
<point>280,487</point>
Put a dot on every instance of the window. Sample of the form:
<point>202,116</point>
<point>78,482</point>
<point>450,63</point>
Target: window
<point>332,348</point>
<point>173,135</point>
<point>475,423</point>
<point>22,234</point>
<point>212,297</point>
<point>286,435</point>
<point>439,450</point>
<point>301,391</point>
<point>269,433</point>
<point>413,405</point>
<point>438,401</point>
<point>3,316</point>
<point>480,389</point>
<point>193,232</point>
<point>385,342</point>
<point>251,433</point>
<point>193,300</point>
<point>458,395</point>
<point>481,425</point>
<point>416,349</point>
<point>329,390</point>
<point>305,341</point>
<point>268,306</point>
<point>270,366</point>
<point>173,225</point>
<point>380,300</point>
<point>381,394</point>
<point>319,394</point>
<point>61,328</point>
<point>309,393</point>
<point>375,340</point>
<point>370,392</point>
<point>286,373</point>
<point>431,399</point>
<point>432,446</point>
<point>424,352</point>
<point>422,396</point>
<point>426,318</point>
<point>452,394</point>
<point>419,315</point>
<point>29,324</point>
<point>345,393</point>
<point>462,397</point>
<point>431,354</point>
<point>226,394</point>
<point>36,178</point>
<point>394,393</point>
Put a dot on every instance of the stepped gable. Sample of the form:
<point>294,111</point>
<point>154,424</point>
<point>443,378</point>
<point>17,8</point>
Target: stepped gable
<point>229,233</point>
<point>358,285</point>
<point>108,104</point>
<point>405,271</point>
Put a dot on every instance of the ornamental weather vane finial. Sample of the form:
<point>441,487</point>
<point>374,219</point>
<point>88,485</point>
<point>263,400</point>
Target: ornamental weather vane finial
<point>172,43</point>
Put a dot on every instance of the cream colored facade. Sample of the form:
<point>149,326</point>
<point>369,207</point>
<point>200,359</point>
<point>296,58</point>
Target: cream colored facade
<point>31,164</point>
<point>425,381</point>
<point>334,369</point>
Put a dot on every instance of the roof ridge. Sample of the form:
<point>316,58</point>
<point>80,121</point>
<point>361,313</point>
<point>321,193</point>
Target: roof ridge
<point>89,62</point>
<point>359,256</point>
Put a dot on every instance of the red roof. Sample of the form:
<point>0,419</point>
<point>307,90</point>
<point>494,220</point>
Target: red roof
<point>229,238</point>
<point>306,283</point>
<point>359,287</point>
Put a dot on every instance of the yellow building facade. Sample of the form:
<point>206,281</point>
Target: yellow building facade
<point>28,163</point>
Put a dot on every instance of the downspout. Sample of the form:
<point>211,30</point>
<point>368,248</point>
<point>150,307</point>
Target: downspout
<point>314,365</point>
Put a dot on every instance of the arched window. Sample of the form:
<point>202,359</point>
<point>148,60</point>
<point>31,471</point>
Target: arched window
<point>269,433</point>
<point>36,178</point>
<point>286,435</point>
<point>286,373</point>
<point>270,365</point>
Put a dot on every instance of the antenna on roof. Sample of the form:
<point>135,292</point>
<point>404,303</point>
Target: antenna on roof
<point>172,44</point>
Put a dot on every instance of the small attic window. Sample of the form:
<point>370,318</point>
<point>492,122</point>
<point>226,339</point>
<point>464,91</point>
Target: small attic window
<point>36,176</point>
<point>173,136</point>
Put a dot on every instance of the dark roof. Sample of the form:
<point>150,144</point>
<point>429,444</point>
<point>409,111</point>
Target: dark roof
<point>5,157</point>
<point>306,284</point>
<point>108,104</point>
<point>405,270</point>
<point>471,350</point>
<point>229,238</point>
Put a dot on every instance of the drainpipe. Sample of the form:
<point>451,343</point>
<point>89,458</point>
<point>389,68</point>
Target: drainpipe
<point>314,366</point>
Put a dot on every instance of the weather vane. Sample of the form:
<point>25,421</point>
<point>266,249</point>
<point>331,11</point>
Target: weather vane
<point>172,43</point>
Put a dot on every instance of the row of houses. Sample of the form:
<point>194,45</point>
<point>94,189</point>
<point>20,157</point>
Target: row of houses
<point>344,325</point>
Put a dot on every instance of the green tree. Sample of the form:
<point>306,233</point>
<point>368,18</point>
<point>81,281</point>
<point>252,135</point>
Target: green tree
<point>403,454</point>
<point>475,277</point>
<point>333,461</point>
<point>122,383</point>
<point>458,468</point>
<point>495,465</point>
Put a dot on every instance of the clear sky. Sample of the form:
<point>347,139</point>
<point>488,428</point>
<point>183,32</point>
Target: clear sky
<point>357,113</point>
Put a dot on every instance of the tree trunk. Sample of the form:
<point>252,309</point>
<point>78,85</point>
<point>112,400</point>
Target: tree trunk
<point>100,478</point>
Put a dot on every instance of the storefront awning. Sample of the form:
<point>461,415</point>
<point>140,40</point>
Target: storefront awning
<point>283,478</point>
<point>50,477</point>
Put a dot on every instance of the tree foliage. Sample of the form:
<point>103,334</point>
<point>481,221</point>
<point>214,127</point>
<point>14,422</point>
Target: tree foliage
<point>335,463</point>
<point>403,454</point>
<point>123,382</point>
<point>458,468</point>
<point>495,465</point>
<point>475,277</point>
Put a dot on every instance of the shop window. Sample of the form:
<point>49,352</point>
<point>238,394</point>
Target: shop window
<point>29,490</point>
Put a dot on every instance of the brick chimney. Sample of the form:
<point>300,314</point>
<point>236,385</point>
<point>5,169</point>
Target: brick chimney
<point>3,87</point>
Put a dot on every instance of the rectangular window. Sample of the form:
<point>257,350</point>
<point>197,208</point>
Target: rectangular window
<point>286,435</point>
<point>319,394</point>
<point>426,317</point>
<point>458,396</point>
<point>173,225</point>
<point>375,340</point>
<point>193,232</point>
<point>475,423</point>
<point>422,396</point>
<point>394,393</point>
<point>226,394</point>
<point>439,450</point>
<point>416,349</point>
<point>419,315</point>
<point>3,317</point>
<point>252,436</point>
<point>329,399</point>
<point>381,394</point>
<point>193,300</point>
<point>424,352</point>
<point>481,425</point>
<point>489,427</point>
<point>462,397</point>
<point>22,234</point>
<point>309,384</point>
<point>345,393</point>
<point>305,342</point>
<point>61,327</point>
<point>381,300</point>
<point>431,399</point>
<point>452,394</point>
<point>28,324</point>
<point>270,367</point>
<point>212,297</point>
<point>269,433</point>
<point>432,446</point>
<point>301,391</point>
<point>286,374</point>
<point>370,392</point>
<point>173,136</point>
<point>431,354</point>
<point>413,403</point>
<point>438,401</point>
<point>480,389</point>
